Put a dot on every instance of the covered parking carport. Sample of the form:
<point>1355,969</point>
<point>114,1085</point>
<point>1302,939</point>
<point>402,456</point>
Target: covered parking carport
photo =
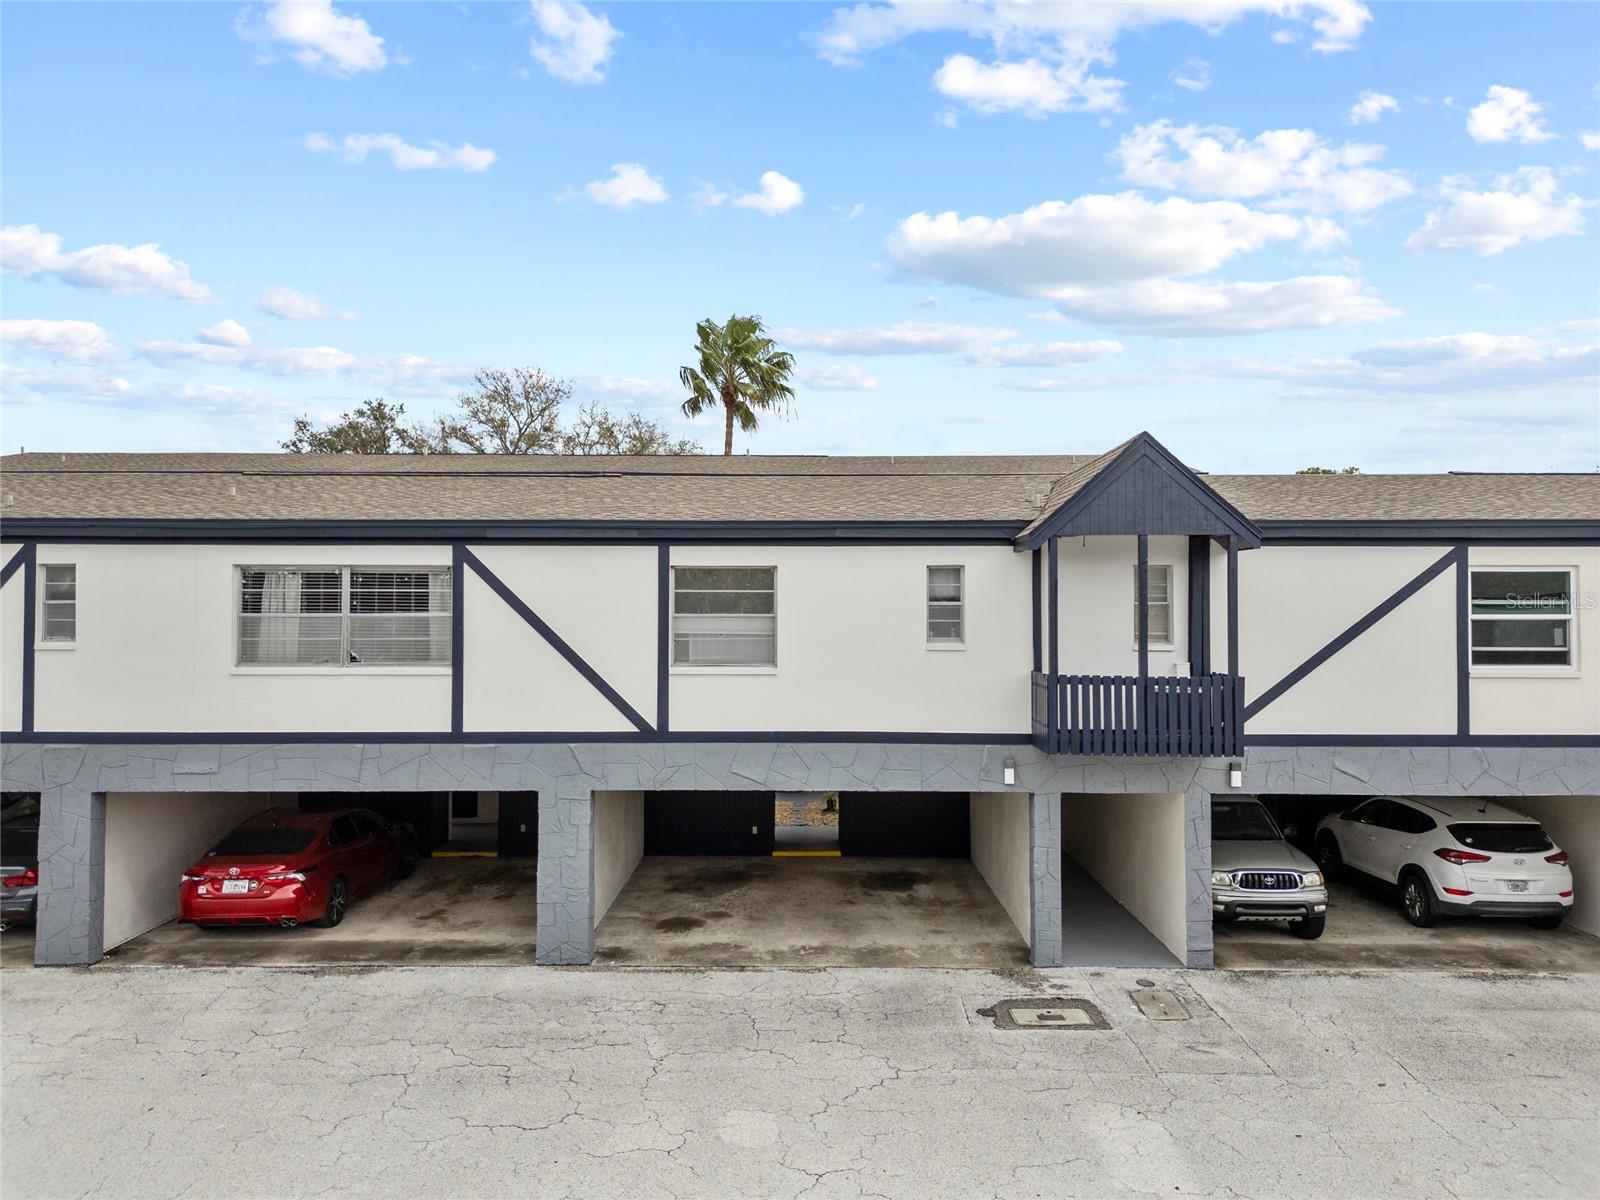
<point>920,879</point>
<point>1367,930</point>
<point>1124,879</point>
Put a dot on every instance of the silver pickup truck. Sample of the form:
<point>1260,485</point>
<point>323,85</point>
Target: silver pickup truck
<point>1256,875</point>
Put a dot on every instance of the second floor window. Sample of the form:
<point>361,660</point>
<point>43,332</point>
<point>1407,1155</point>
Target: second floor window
<point>1160,601</point>
<point>343,617</point>
<point>946,605</point>
<point>1521,618</point>
<point>60,603</point>
<point>724,617</point>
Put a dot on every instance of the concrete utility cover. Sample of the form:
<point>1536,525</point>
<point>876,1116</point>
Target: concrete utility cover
<point>1057,1012</point>
<point>1159,1004</point>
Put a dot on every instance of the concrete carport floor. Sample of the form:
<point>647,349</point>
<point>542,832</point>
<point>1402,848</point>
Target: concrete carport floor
<point>16,946</point>
<point>692,911</point>
<point>1366,930</point>
<point>456,911</point>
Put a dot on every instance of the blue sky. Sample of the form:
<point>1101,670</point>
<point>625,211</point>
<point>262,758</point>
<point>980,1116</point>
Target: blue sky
<point>1274,234</point>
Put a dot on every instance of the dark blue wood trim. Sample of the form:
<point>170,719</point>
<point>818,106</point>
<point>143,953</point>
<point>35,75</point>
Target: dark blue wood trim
<point>518,606</point>
<point>458,638</point>
<point>1576,741</point>
<point>1352,633</point>
<point>1144,447</point>
<point>1463,644</point>
<point>663,634</point>
<point>646,532</point>
<point>512,737</point>
<point>30,615</point>
<point>1233,608</point>
<point>1053,702</point>
<point>1141,608</point>
<point>15,561</point>
<point>1038,616</point>
<point>1199,605</point>
<point>1428,532</point>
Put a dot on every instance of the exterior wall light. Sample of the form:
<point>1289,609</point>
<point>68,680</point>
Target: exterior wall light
<point>1235,775</point>
<point>1008,772</point>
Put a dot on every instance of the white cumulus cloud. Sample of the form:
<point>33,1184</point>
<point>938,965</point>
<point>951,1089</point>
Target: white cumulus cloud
<point>1508,114</point>
<point>1194,75</point>
<point>289,305</point>
<point>573,43</point>
<point>320,37</point>
<point>629,184</point>
<point>1044,354</point>
<point>74,341</point>
<point>1199,308</point>
<point>224,333</point>
<point>1524,206</point>
<point>1370,107</point>
<point>1590,139</point>
<point>28,251</point>
<point>836,377</point>
<point>906,337</point>
<point>1287,168</point>
<point>777,194</point>
<point>435,156</point>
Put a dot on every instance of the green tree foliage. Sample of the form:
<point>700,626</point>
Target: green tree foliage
<point>1328,471</point>
<point>742,370</point>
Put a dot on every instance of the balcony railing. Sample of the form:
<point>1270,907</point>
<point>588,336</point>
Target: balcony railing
<point>1160,716</point>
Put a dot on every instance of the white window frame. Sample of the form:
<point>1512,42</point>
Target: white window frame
<point>42,640</point>
<point>345,666</point>
<point>1170,642</point>
<point>955,643</point>
<point>674,667</point>
<point>1527,670</point>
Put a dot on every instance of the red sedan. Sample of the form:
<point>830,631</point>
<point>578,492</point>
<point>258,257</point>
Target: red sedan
<point>282,867</point>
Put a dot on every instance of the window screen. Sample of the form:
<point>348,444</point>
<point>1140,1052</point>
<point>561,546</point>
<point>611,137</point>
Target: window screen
<point>1521,618</point>
<point>724,617</point>
<point>343,616</point>
<point>946,604</point>
<point>60,605</point>
<point>1160,603</point>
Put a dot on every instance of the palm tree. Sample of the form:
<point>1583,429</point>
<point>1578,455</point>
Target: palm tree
<point>742,370</point>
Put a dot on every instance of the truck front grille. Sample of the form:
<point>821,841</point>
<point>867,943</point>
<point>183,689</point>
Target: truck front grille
<point>1267,881</point>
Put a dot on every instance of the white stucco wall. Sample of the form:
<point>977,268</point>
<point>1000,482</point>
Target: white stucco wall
<point>1133,846</point>
<point>151,838</point>
<point>1097,579</point>
<point>618,844</point>
<point>1574,823</point>
<point>852,644</point>
<point>1001,850</point>
<point>1547,700</point>
<point>1397,677</point>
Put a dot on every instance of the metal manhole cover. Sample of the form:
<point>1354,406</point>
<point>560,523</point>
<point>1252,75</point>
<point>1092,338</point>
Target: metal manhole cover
<point>1055,1012</point>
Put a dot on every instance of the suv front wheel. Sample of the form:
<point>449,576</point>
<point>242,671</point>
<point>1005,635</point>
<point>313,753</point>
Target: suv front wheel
<point>1329,859</point>
<point>1416,900</point>
<point>1309,927</point>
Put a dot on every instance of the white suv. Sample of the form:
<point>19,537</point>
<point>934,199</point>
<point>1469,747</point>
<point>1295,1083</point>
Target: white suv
<point>1451,856</point>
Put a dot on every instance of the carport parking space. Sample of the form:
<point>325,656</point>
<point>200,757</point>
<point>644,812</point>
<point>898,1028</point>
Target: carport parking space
<point>453,911</point>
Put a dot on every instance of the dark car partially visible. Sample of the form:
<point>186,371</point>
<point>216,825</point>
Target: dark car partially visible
<point>19,858</point>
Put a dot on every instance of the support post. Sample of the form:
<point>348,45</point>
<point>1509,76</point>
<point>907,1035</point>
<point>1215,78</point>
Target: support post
<point>1141,598</point>
<point>1038,615</point>
<point>1199,606</point>
<point>565,886</point>
<point>69,925</point>
<point>1053,690</point>
<point>1233,606</point>
<point>1044,848</point>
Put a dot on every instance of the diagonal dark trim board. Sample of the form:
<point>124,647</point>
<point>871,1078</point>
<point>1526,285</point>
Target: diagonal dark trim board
<point>542,628</point>
<point>1351,634</point>
<point>1141,448</point>
<point>15,561</point>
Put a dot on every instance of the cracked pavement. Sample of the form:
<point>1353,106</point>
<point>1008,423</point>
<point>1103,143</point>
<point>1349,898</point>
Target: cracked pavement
<point>596,1083</point>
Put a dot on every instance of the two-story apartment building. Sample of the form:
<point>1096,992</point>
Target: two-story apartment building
<point>1082,649</point>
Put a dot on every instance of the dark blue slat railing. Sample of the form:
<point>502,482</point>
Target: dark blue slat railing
<point>1177,716</point>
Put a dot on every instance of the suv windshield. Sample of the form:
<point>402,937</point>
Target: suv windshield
<point>264,840</point>
<point>1502,838</point>
<point>1241,821</point>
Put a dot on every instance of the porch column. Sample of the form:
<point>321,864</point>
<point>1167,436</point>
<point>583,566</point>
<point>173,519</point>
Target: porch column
<point>1233,605</point>
<point>69,927</point>
<point>565,888</point>
<point>1199,606</point>
<point>1053,691</point>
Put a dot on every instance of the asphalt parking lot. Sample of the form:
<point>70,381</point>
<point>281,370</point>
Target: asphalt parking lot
<point>134,1082</point>
<point>1366,931</point>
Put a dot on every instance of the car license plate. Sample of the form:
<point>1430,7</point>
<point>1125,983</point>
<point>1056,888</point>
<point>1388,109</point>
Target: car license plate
<point>1516,885</point>
<point>232,887</point>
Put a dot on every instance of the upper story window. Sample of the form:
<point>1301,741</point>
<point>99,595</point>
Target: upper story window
<point>344,617</point>
<point>1522,618</point>
<point>1159,599</point>
<point>59,606</point>
<point>724,617</point>
<point>947,603</point>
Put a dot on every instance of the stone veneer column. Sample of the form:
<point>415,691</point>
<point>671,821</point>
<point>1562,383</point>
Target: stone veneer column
<point>70,923</point>
<point>1044,848</point>
<point>1197,860</point>
<point>565,888</point>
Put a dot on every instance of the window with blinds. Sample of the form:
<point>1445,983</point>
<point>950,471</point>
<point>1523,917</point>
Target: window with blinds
<point>724,617</point>
<point>1160,602</point>
<point>946,605</point>
<point>344,617</point>
<point>1521,618</point>
<point>60,603</point>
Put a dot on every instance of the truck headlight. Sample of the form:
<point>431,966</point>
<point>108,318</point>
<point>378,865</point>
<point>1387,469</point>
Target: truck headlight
<point>1221,879</point>
<point>1311,879</point>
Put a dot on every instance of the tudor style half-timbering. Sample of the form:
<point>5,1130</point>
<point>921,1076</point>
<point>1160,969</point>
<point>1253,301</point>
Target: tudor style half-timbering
<point>1079,647</point>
